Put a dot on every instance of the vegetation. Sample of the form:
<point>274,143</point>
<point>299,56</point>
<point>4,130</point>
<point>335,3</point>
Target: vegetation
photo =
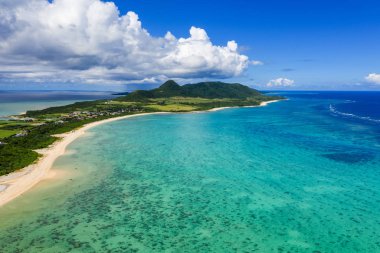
<point>11,128</point>
<point>13,157</point>
<point>211,90</point>
<point>37,129</point>
<point>7,133</point>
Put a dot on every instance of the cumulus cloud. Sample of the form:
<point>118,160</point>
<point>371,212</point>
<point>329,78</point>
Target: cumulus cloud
<point>89,41</point>
<point>280,82</point>
<point>373,78</point>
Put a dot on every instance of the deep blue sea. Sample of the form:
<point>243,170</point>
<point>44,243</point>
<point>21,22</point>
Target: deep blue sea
<point>362,106</point>
<point>16,102</point>
<point>301,175</point>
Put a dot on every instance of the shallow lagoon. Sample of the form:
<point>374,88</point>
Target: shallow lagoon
<point>289,177</point>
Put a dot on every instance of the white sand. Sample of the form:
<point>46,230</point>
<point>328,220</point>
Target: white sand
<point>261,104</point>
<point>17,183</point>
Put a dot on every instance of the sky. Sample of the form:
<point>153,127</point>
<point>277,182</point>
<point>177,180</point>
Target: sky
<point>128,44</point>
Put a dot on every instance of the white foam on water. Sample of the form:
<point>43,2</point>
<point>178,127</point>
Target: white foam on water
<point>351,115</point>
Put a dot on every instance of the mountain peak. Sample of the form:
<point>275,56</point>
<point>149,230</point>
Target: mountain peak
<point>210,90</point>
<point>169,84</point>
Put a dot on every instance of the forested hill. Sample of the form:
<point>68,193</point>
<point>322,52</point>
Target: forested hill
<point>211,90</point>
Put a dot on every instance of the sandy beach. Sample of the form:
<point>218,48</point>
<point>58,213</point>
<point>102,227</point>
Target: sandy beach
<point>262,104</point>
<point>19,182</point>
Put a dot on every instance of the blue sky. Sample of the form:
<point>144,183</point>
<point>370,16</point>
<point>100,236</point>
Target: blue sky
<point>316,43</point>
<point>301,44</point>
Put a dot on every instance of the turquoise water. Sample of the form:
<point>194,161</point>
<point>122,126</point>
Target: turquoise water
<point>289,177</point>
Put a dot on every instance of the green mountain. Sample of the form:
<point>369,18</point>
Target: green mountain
<point>219,90</point>
<point>168,89</point>
<point>211,90</point>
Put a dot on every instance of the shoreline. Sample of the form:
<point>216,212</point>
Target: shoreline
<point>17,183</point>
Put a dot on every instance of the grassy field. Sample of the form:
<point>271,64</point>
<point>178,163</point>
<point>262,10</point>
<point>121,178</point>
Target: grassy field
<point>188,104</point>
<point>7,133</point>
<point>171,108</point>
<point>9,128</point>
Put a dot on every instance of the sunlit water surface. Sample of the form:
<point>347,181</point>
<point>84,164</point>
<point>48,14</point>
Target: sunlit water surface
<point>290,177</point>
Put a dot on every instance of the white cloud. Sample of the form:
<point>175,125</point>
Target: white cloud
<point>89,41</point>
<point>280,82</point>
<point>373,78</point>
<point>257,63</point>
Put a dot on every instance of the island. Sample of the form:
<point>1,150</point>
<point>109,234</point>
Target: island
<point>25,138</point>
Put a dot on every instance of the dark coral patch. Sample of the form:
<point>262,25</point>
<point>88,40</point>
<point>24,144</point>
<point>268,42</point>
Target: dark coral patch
<point>350,158</point>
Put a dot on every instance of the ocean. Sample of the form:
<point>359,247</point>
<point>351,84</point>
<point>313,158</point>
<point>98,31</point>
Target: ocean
<point>17,102</point>
<point>300,175</point>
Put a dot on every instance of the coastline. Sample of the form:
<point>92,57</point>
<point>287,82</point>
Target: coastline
<point>15,184</point>
<point>261,105</point>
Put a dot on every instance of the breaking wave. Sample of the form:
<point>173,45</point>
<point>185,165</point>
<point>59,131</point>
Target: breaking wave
<point>334,111</point>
